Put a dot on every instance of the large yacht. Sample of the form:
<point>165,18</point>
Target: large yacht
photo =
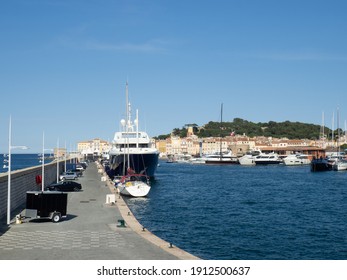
<point>132,149</point>
<point>296,159</point>
<point>221,158</point>
<point>271,158</point>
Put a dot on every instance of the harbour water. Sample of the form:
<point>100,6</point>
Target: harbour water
<point>20,161</point>
<point>245,213</point>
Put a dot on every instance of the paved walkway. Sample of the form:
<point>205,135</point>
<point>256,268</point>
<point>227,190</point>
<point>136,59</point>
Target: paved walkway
<point>89,232</point>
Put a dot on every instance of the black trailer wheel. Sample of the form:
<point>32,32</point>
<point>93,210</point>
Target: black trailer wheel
<point>56,217</point>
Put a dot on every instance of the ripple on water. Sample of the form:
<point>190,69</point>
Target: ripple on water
<point>236,212</point>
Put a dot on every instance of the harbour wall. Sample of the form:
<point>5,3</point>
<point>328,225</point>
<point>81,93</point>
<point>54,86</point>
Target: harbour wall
<point>24,180</point>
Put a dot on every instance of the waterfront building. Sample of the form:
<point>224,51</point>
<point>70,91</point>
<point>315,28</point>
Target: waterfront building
<point>93,148</point>
<point>60,153</point>
<point>238,144</point>
<point>161,146</point>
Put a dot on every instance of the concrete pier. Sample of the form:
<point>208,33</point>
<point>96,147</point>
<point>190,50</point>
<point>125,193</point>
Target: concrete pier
<point>91,231</point>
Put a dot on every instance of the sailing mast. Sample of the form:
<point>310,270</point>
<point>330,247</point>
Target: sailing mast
<point>221,122</point>
<point>338,131</point>
<point>126,124</point>
<point>129,122</point>
<point>322,138</point>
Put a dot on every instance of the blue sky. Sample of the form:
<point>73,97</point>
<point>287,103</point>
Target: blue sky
<point>64,64</point>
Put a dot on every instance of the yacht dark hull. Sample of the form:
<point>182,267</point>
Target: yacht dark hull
<point>140,163</point>
<point>221,162</point>
<point>266,162</point>
<point>318,165</point>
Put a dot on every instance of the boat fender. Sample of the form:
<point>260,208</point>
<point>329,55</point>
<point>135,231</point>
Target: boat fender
<point>38,179</point>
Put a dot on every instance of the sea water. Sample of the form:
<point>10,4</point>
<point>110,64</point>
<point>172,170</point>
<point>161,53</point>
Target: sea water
<point>20,161</point>
<point>241,212</point>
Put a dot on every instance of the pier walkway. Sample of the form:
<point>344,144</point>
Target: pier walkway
<point>89,232</point>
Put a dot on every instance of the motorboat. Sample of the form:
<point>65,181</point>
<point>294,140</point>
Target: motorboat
<point>340,165</point>
<point>179,158</point>
<point>321,164</point>
<point>296,159</point>
<point>197,160</point>
<point>132,148</point>
<point>248,158</point>
<point>221,158</point>
<point>264,159</point>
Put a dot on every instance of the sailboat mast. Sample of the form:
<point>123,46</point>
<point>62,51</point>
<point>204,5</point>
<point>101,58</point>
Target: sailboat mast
<point>338,129</point>
<point>137,128</point>
<point>323,125</point>
<point>221,121</point>
<point>332,134</point>
<point>126,127</point>
<point>128,123</point>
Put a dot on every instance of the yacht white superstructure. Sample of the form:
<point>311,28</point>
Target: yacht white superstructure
<point>131,147</point>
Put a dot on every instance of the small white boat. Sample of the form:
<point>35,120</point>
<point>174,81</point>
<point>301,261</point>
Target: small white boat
<point>248,158</point>
<point>340,165</point>
<point>296,159</point>
<point>199,160</point>
<point>133,185</point>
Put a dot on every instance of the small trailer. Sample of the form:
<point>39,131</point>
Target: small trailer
<point>46,204</point>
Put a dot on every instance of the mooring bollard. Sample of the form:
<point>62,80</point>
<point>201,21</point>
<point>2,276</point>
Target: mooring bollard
<point>121,223</point>
<point>18,219</point>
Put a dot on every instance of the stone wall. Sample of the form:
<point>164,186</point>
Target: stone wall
<point>22,181</point>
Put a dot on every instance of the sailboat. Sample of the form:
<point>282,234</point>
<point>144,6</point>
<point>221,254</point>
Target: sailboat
<point>221,157</point>
<point>340,163</point>
<point>321,164</point>
<point>131,183</point>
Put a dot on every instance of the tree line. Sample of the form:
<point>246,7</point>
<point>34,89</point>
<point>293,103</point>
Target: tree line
<point>286,129</point>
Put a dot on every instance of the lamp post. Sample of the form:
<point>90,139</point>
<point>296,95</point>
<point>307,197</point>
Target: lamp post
<point>10,147</point>
<point>43,162</point>
<point>58,160</point>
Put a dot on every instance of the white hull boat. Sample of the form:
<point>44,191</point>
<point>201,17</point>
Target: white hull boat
<point>134,188</point>
<point>247,160</point>
<point>340,165</point>
<point>296,159</point>
<point>264,159</point>
<point>223,158</point>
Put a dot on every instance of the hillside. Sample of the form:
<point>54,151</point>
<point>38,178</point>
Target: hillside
<point>290,130</point>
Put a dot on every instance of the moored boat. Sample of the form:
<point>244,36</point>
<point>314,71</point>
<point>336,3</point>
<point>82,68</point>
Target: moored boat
<point>142,155</point>
<point>340,165</point>
<point>221,158</point>
<point>296,159</point>
<point>135,185</point>
<point>264,159</point>
<point>248,158</point>
<point>320,164</point>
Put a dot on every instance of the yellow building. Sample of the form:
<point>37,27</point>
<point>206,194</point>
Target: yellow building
<point>96,147</point>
